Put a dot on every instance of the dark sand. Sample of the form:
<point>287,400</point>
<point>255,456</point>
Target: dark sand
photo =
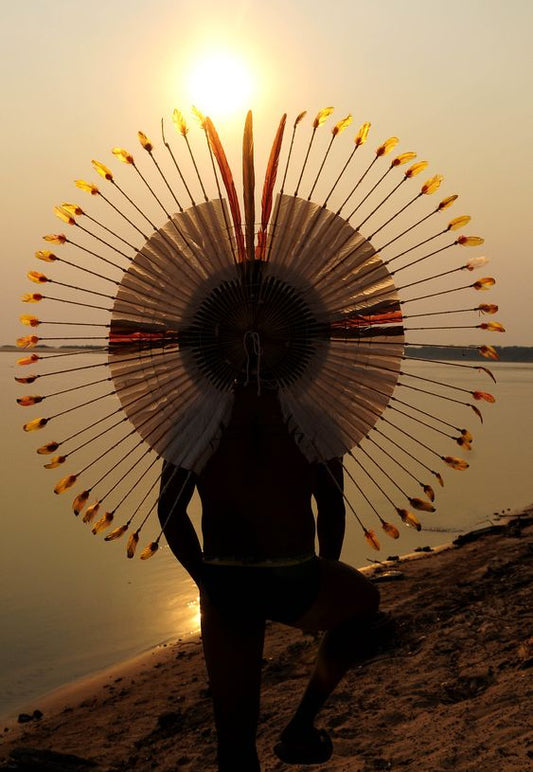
<point>454,693</point>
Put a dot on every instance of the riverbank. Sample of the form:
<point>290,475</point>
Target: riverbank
<point>453,693</point>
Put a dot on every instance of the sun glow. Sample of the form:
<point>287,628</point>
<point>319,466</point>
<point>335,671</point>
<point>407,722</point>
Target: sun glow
<point>220,84</point>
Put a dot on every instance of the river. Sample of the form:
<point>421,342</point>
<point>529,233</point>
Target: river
<point>72,604</point>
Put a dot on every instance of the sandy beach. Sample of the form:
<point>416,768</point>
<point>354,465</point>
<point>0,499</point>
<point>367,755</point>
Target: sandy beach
<point>454,692</point>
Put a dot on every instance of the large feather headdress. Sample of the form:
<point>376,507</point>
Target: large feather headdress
<point>314,298</point>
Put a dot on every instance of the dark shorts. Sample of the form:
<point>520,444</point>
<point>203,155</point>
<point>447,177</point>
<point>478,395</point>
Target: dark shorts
<point>280,593</point>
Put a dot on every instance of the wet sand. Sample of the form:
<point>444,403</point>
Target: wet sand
<point>454,692</point>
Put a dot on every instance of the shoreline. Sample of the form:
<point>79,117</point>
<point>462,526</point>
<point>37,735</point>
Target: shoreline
<point>461,670</point>
<point>513,354</point>
<point>77,688</point>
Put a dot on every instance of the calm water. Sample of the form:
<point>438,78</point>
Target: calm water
<point>72,604</point>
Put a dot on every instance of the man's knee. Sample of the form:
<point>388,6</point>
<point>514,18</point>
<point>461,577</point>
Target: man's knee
<point>368,598</point>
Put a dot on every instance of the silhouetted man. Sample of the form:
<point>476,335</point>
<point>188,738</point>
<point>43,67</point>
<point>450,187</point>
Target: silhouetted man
<point>258,562</point>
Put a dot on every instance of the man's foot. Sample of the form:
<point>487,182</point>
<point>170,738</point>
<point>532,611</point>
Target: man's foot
<point>314,747</point>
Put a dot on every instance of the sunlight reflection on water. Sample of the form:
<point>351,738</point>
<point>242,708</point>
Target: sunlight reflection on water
<point>71,605</point>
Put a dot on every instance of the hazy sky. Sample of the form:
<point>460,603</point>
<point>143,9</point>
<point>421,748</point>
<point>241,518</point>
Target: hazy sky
<point>452,80</point>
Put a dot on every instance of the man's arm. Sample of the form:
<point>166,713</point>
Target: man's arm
<point>177,488</point>
<point>331,515</point>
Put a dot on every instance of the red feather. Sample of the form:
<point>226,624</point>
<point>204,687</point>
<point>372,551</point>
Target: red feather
<point>227,178</point>
<point>248,179</point>
<point>268,187</point>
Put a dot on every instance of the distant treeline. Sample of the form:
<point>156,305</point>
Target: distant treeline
<point>506,353</point>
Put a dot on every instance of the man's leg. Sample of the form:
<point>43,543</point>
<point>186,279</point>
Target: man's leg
<point>346,608</point>
<point>233,653</point>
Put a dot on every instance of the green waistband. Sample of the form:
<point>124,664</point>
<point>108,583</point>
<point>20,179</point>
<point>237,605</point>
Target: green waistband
<point>292,560</point>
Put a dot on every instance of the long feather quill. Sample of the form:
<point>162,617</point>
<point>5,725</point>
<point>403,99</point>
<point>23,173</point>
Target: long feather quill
<point>248,182</point>
<point>268,187</point>
<point>227,178</point>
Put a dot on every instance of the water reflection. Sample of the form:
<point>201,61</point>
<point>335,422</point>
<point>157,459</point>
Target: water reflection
<point>194,607</point>
<point>74,604</point>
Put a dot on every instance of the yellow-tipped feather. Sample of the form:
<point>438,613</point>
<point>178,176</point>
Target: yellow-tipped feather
<point>473,263</point>
<point>62,213</point>
<point>31,297</point>
<point>492,326</point>
<point>403,158</point>
<point>489,352</point>
<point>341,125</point>
<point>123,155</point>
<point>446,202</point>
<point>37,277</point>
<point>362,135</point>
<point>430,493</point>
<point>55,238</point>
<point>55,462</point>
<point>421,505</point>
<point>65,483</point>
<point>387,146</point>
<point>102,170</point>
<point>322,116</point>
<point>409,519</point>
<point>72,209</point>
<point>132,544</point>
<point>91,512</point>
<point>463,443</point>
<point>35,425</point>
<point>150,550</point>
<point>27,341</point>
<point>46,256</point>
<point>470,241</point>
<point>88,187</point>
<point>145,142</point>
<point>104,522</point>
<point>200,117</point>
<point>80,501</point>
<point>488,308</point>
<point>371,539</point>
<point>456,463</point>
<point>50,447</point>
<point>390,530</point>
<point>28,360</point>
<point>416,168</point>
<point>458,222</point>
<point>179,121</point>
<point>484,284</point>
<point>432,185</point>
<point>116,533</point>
<point>29,320</point>
<point>29,400</point>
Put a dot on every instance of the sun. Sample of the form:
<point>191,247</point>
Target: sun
<point>220,84</point>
